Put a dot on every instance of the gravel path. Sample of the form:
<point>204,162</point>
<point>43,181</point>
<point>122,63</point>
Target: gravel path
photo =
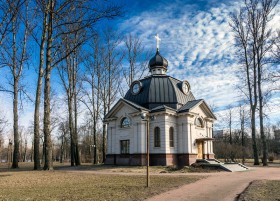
<point>224,186</point>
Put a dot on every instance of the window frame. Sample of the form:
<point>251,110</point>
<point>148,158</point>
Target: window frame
<point>125,125</point>
<point>157,137</point>
<point>201,124</point>
<point>124,147</point>
<point>171,137</point>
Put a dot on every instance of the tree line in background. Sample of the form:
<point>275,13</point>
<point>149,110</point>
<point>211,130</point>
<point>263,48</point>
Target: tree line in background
<point>91,64</point>
<point>234,143</point>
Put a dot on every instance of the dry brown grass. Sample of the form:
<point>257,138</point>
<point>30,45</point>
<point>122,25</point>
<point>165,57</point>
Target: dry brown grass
<point>262,190</point>
<point>65,185</point>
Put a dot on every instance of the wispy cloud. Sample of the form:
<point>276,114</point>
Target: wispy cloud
<point>197,42</point>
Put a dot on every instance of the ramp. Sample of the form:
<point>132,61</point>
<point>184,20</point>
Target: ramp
<point>230,167</point>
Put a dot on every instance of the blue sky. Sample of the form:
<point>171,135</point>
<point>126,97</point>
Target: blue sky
<point>197,42</point>
<point>195,39</point>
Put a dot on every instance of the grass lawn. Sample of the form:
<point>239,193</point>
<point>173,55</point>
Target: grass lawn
<point>262,190</point>
<point>24,184</point>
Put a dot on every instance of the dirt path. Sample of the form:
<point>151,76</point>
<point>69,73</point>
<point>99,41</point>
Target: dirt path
<point>220,186</point>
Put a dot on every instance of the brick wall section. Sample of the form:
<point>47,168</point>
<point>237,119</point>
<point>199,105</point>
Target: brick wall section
<point>155,159</point>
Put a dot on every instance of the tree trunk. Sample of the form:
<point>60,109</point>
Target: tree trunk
<point>70,119</point>
<point>242,122</point>
<point>38,98</point>
<point>62,149</point>
<point>16,134</point>
<point>77,155</point>
<point>264,144</point>
<point>254,143</point>
<point>47,90</point>
<point>15,101</point>
<point>47,131</point>
<point>104,143</point>
<point>104,137</point>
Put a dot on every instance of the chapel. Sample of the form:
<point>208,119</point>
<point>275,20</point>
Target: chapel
<point>159,113</point>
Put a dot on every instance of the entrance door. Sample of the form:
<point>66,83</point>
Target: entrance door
<point>200,150</point>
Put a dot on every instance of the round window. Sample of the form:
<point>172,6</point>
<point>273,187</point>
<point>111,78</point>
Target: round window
<point>135,87</point>
<point>125,122</point>
<point>185,87</point>
<point>199,122</point>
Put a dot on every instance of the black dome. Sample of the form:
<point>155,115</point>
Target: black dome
<point>158,90</point>
<point>158,61</point>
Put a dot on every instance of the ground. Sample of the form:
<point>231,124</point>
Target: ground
<point>224,186</point>
<point>261,190</point>
<point>86,183</point>
<point>128,183</point>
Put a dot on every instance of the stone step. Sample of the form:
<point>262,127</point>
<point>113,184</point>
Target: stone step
<point>234,167</point>
<point>231,167</point>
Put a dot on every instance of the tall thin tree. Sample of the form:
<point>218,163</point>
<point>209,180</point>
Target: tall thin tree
<point>14,56</point>
<point>253,42</point>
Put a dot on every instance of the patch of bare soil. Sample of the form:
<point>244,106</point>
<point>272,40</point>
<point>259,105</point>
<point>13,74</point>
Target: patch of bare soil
<point>268,190</point>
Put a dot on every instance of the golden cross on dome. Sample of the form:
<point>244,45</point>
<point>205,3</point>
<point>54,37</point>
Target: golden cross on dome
<point>157,39</point>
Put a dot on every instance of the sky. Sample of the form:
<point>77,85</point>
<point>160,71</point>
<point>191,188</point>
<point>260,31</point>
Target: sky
<point>198,44</point>
<point>195,39</point>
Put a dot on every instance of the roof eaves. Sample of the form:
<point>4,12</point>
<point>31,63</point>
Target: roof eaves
<point>134,105</point>
<point>162,108</point>
<point>189,105</point>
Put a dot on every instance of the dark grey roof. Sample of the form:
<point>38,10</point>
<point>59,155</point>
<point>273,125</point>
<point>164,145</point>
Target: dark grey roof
<point>158,61</point>
<point>189,105</point>
<point>161,108</point>
<point>160,90</point>
<point>136,106</point>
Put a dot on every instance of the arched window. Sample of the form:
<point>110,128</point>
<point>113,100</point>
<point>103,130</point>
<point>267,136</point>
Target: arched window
<point>199,122</point>
<point>171,137</point>
<point>125,122</point>
<point>157,137</point>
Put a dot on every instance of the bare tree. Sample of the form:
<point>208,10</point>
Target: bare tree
<point>112,58</point>
<point>92,89</point>
<point>136,57</point>
<point>276,51</point>
<point>84,14</point>
<point>3,122</point>
<point>14,56</point>
<point>65,138</point>
<point>8,11</point>
<point>229,122</point>
<point>68,72</point>
<point>42,6</point>
<point>243,115</point>
<point>253,42</point>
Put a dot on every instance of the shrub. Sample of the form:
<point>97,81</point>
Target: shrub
<point>271,158</point>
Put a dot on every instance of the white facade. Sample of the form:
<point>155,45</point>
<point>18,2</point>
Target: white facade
<point>186,132</point>
<point>180,127</point>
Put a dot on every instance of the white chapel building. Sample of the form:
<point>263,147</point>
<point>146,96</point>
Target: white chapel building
<point>179,126</point>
